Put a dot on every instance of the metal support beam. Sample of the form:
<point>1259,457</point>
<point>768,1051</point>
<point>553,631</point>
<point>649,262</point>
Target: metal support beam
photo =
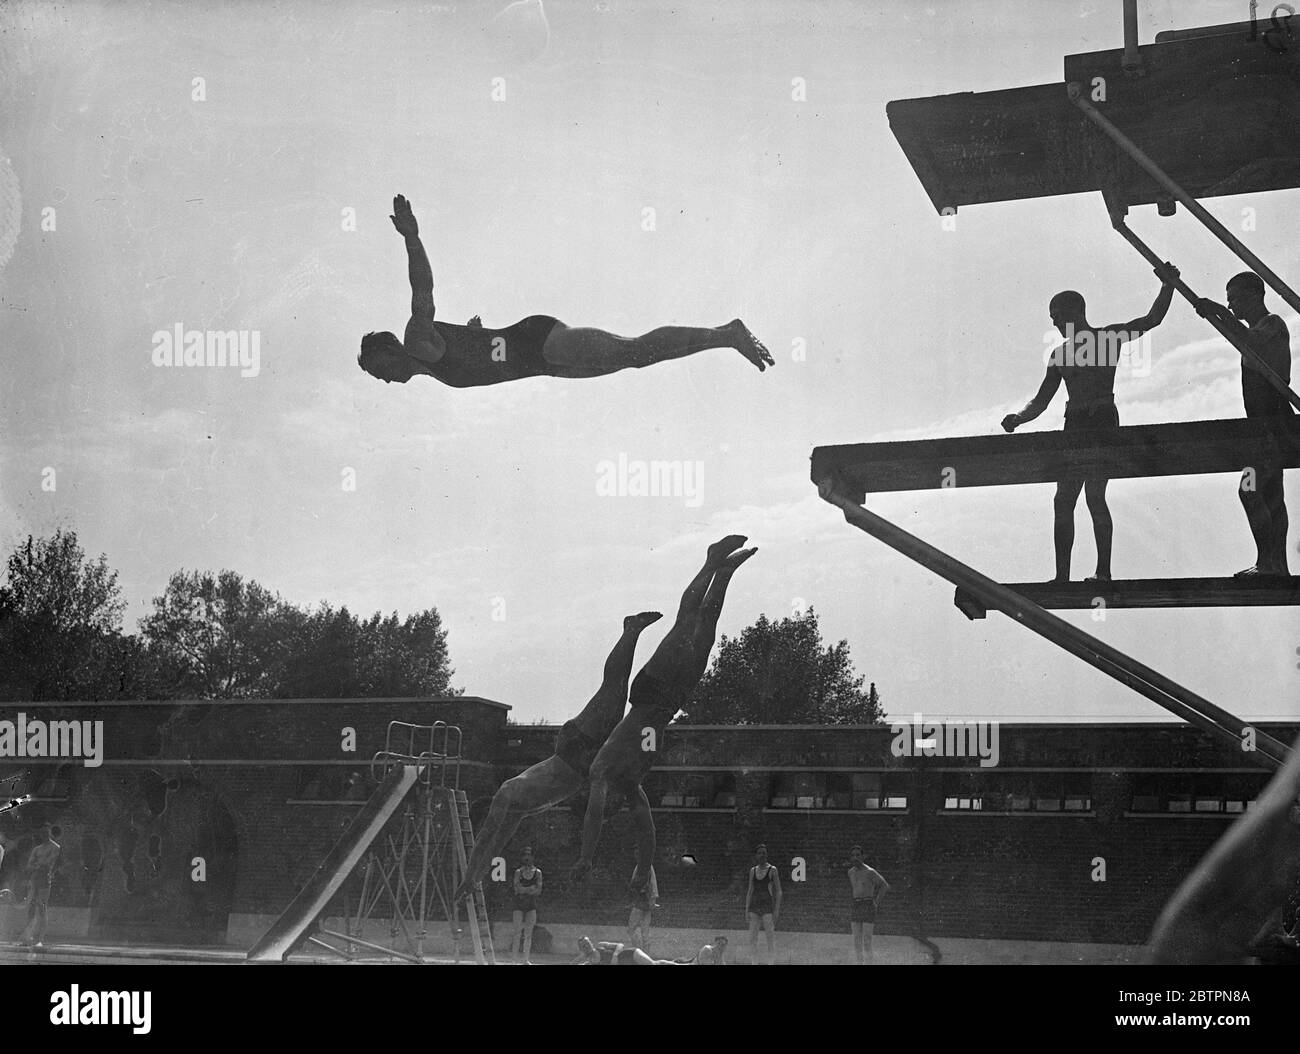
<point>1123,668</point>
<point>1132,56</point>
<point>1080,99</point>
<point>1117,211</point>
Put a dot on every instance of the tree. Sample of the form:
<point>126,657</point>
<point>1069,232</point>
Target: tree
<point>782,673</point>
<point>405,658</point>
<point>226,638</point>
<point>221,637</point>
<point>337,655</point>
<point>60,626</point>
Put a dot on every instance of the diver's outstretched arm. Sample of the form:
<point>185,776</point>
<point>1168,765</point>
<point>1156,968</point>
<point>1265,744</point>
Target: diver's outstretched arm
<point>417,261</point>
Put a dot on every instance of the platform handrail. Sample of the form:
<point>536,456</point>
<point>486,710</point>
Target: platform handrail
<point>421,742</point>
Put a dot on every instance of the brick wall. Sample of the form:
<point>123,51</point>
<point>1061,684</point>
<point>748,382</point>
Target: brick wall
<point>234,784</point>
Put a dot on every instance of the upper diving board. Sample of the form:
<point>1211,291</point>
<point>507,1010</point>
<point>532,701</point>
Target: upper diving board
<point>1184,448</point>
<point>1217,111</point>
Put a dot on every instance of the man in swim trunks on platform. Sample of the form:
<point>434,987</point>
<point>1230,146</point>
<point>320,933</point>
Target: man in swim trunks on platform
<point>470,356</point>
<point>1260,490</point>
<point>658,692</point>
<point>549,782</point>
<point>868,887</point>
<point>1086,362</point>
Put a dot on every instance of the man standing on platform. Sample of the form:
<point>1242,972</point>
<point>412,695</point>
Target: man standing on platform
<point>1086,361</point>
<point>1261,487</point>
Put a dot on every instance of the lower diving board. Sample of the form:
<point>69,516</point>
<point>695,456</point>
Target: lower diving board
<point>1274,591</point>
<point>1183,448</point>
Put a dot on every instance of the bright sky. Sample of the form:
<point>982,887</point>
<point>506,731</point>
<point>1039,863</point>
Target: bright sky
<point>802,217</point>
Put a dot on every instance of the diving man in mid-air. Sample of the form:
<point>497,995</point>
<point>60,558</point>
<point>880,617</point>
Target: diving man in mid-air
<point>472,355</point>
<point>561,775</point>
<point>661,688</point>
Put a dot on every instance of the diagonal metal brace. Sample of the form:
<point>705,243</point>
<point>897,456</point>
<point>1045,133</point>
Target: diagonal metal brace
<point>1128,671</point>
<point>1117,210</point>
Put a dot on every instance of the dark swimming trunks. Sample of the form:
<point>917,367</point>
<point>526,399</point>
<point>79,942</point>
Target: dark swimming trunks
<point>575,748</point>
<point>864,910</point>
<point>1092,415</point>
<point>528,902</point>
<point>762,902</point>
<point>653,696</point>
<point>477,355</point>
<point>525,339</point>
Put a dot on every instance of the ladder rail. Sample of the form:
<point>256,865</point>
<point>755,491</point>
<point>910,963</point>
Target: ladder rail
<point>476,903</point>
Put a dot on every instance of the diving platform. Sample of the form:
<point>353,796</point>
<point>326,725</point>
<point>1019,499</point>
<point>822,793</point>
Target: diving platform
<point>1201,112</point>
<point>1125,669</point>
<point>1218,108</point>
<point>1182,448</point>
<point>1147,593</point>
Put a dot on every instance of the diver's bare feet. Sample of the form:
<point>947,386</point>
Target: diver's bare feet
<point>641,621</point>
<point>579,871</point>
<point>724,547</point>
<point>749,345</point>
<point>736,559</point>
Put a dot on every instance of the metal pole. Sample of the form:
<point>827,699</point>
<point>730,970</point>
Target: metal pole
<point>1247,352</point>
<point>995,596</point>
<point>1193,206</point>
<point>1132,62</point>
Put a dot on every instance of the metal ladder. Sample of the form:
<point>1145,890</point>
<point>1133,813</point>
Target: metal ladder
<point>476,903</point>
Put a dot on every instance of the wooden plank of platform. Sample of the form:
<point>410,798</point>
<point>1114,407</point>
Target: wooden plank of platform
<point>1220,113</point>
<point>1185,448</point>
<point>1149,593</point>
